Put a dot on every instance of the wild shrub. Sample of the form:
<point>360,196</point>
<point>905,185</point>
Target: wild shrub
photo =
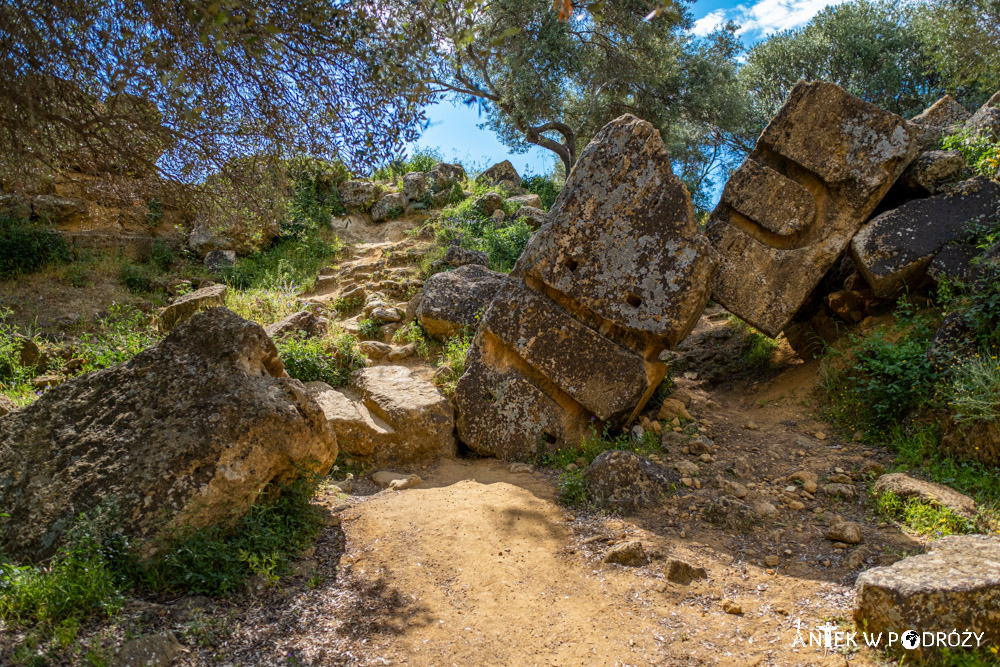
<point>980,153</point>
<point>291,264</point>
<point>26,247</point>
<point>974,391</point>
<point>263,306</point>
<point>220,560</point>
<point>467,226</point>
<point>136,278</point>
<point>543,186</point>
<point>315,195</point>
<point>123,333</point>
<point>162,256</point>
<point>369,329</point>
<point>310,359</point>
<point>422,159</point>
<point>414,333</point>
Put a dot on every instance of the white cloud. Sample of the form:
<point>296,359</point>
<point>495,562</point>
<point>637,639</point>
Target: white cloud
<point>764,17</point>
<point>709,22</point>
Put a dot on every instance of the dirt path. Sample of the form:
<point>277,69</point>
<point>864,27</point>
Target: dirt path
<point>490,569</point>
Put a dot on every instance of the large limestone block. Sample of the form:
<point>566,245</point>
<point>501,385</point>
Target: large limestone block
<point>454,300</point>
<point>895,248</point>
<point>185,434</point>
<point>389,414</point>
<point>986,121</point>
<point>617,274</point>
<point>185,306</point>
<point>954,586</point>
<point>819,169</point>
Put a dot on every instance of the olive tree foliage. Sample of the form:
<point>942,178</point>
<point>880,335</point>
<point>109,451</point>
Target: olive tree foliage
<point>552,77</point>
<point>181,89</point>
<point>869,47</point>
<point>962,41</point>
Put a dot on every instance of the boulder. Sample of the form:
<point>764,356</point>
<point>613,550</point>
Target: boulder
<point>533,217</point>
<point>627,482</point>
<point>185,306</point>
<point>457,256</point>
<point>683,573</point>
<point>443,176</point>
<point>217,260</point>
<point>489,203</point>
<point>931,171</point>
<point>389,206</point>
<point>893,251</point>
<point>357,195</point>
<point>454,300</point>
<point>304,322</point>
<point>530,199</point>
<point>388,414</point>
<point>819,169</point>
<point>502,174</point>
<point>907,488</point>
<point>374,349</point>
<point>954,586</point>
<point>944,116</point>
<point>185,434</point>
<point>732,513</point>
<point>617,275</point>
<point>848,532</point>
<point>986,121</point>
<point>953,262</point>
<point>415,185</point>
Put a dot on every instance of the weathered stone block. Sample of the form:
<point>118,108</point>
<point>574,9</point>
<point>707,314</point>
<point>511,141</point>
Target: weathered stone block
<point>893,250</point>
<point>454,300</point>
<point>818,170</point>
<point>617,274</point>
<point>954,586</point>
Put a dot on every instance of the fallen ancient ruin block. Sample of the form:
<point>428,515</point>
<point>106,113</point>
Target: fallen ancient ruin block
<point>617,274</point>
<point>818,170</point>
<point>895,248</point>
<point>954,586</point>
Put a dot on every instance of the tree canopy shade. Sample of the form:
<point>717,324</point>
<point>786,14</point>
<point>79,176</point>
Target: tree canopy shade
<point>185,87</point>
<point>553,83</point>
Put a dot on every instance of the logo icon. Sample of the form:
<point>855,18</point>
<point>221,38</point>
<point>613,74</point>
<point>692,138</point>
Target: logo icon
<point>910,640</point>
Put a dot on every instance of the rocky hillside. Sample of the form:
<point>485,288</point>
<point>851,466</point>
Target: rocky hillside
<point>433,409</point>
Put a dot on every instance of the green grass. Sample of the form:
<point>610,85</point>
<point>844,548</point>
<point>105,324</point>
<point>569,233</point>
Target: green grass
<point>329,360</point>
<point>453,356</point>
<point>923,518</point>
<point>414,333</point>
<point>369,329</point>
<point>290,265</point>
<point>981,154</point>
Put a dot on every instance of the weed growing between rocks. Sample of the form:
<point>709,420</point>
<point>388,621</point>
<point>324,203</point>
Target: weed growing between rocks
<point>545,187</point>
<point>290,265</point>
<point>369,329</point>
<point>329,360</point>
<point>452,360</point>
<point>414,333</point>
<point>923,518</point>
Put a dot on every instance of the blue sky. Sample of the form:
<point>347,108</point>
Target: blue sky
<point>454,130</point>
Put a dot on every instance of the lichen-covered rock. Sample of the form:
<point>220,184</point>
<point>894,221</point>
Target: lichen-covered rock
<point>986,121</point>
<point>627,482</point>
<point>415,185</point>
<point>6,406</point>
<point>953,262</point>
<point>906,488</point>
<point>819,169</point>
<point>489,203</point>
<point>444,175</point>
<point>618,274</point>
<point>357,195</point>
<point>454,300</point>
<point>931,171</point>
<point>217,260</point>
<point>944,116</point>
<point>502,174</point>
<point>893,250</point>
<point>533,217</point>
<point>390,415</point>
<point>954,586</point>
<point>185,306</point>
<point>389,206</point>
<point>530,199</point>
<point>457,256</point>
<point>186,433</point>
<point>303,322</point>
